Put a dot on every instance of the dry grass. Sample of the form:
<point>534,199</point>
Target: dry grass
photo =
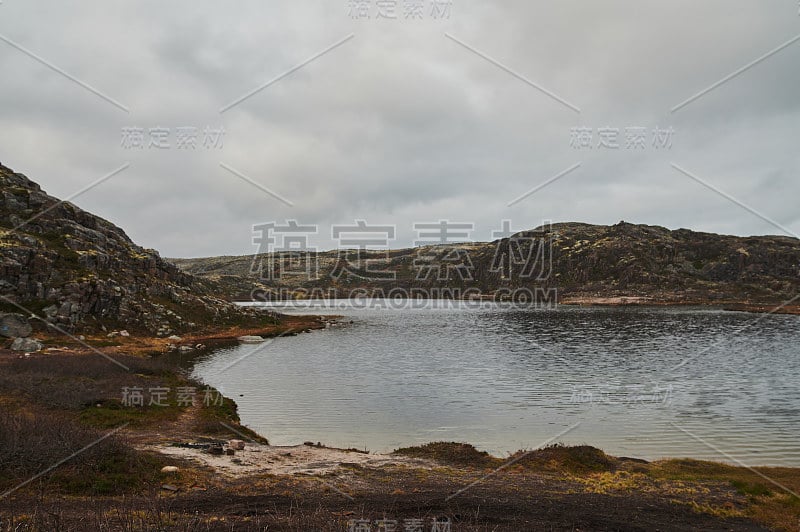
<point>578,459</point>
<point>766,502</point>
<point>33,443</point>
<point>451,453</point>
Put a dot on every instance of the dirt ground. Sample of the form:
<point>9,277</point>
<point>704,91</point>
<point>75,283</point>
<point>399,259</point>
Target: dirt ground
<point>371,492</point>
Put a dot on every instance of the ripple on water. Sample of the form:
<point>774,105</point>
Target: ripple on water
<point>512,379</point>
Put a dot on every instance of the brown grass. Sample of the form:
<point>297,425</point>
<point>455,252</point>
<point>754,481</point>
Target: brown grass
<point>451,453</point>
<point>33,443</point>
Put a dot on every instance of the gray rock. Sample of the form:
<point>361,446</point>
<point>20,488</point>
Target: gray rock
<point>251,339</point>
<point>15,326</point>
<point>29,345</point>
<point>65,308</point>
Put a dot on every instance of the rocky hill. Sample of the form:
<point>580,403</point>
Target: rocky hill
<point>582,262</point>
<point>79,271</point>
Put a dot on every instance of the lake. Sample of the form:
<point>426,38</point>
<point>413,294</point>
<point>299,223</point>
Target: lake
<point>645,382</point>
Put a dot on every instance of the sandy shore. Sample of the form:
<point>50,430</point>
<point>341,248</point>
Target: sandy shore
<point>286,460</point>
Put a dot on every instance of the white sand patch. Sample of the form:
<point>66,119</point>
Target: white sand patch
<point>298,459</point>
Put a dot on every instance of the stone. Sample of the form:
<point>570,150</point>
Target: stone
<point>175,338</point>
<point>230,452</point>
<point>65,309</point>
<point>29,345</point>
<point>124,333</point>
<point>169,469</point>
<point>15,326</point>
<point>185,348</point>
<point>236,444</point>
<point>250,339</point>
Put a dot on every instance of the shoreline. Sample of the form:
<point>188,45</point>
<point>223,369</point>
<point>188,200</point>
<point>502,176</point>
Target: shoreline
<point>292,325</point>
<point>784,307</point>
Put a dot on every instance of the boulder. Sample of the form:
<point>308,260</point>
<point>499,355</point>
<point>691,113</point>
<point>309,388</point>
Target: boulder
<point>250,339</point>
<point>169,469</point>
<point>29,345</point>
<point>237,445</point>
<point>15,326</point>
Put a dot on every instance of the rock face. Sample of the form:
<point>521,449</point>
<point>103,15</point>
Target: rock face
<point>15,326</point>
<point>78,271</point>
<point>578,260</point>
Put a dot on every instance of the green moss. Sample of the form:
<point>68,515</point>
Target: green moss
<point>112,413</point>
<point>751,488</point>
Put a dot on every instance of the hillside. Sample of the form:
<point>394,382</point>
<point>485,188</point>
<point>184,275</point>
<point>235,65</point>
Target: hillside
<point>589,262</point>
<point>81,272</point>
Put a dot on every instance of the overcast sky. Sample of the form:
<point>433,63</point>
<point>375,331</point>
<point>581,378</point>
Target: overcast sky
<point>400,123</point>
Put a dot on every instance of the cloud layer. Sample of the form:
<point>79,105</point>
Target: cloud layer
<point>401,124</point>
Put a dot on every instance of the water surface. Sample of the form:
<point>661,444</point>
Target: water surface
<point>643,382</point>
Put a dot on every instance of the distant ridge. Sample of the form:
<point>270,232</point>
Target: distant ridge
<point>589,262</point>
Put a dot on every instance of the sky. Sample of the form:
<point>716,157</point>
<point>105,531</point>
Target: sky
<point>188,123</point>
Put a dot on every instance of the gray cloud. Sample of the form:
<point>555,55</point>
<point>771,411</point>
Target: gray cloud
<point>401,124</point>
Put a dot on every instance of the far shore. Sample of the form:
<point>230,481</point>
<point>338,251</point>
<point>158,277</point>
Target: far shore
<point>616,301</point>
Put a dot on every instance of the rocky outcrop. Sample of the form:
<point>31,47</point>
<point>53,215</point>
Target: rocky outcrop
<point>75,270</point>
